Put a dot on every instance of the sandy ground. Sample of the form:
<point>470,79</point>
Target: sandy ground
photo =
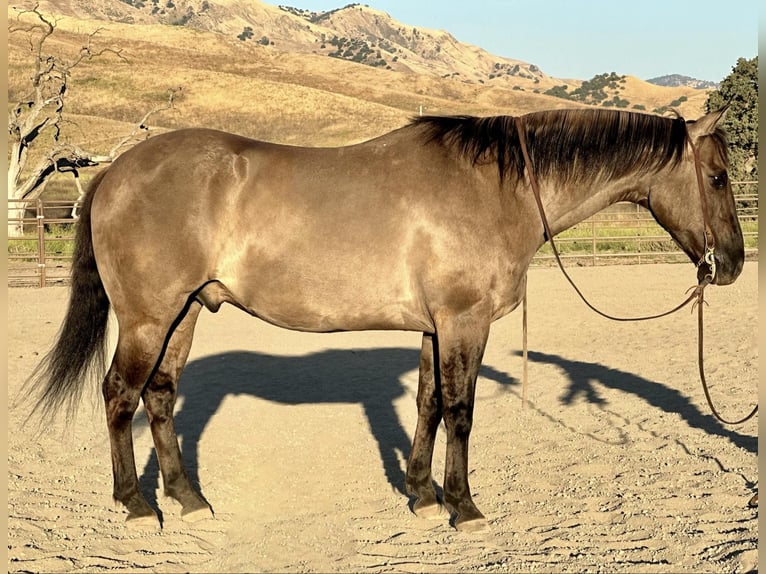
<point>299,442</point>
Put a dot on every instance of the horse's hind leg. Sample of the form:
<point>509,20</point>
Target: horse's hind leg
<point>138,349</point>
<point>419,481</point>
<point>159,399</point>
<point>139,353</point>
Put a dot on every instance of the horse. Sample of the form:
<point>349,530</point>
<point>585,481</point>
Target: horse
<point>428,228</point>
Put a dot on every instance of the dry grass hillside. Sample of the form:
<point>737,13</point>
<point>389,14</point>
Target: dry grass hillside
<point>654,97</point>
<point>267,91</point>
<point>356,33</point>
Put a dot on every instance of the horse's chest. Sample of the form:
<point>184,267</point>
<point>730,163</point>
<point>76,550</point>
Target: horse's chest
<point>508,293</point>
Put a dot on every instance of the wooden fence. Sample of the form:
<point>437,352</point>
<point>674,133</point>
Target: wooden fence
<point>622,234</point>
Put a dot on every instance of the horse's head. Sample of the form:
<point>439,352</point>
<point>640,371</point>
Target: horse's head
<point>689,210</point>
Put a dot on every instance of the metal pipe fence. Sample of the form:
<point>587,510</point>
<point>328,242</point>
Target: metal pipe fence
<point>41,238</point>
<point>40,241</point>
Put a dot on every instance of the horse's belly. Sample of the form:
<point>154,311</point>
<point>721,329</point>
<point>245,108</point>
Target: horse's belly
<point>337,299</point>
<point>326,319</point>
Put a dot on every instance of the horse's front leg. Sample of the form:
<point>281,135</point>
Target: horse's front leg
<point>462,339</point>
<point>419,481</point>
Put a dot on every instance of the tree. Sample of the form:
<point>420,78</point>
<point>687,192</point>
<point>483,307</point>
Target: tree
<point>41,114</point>
<point>740,90</point>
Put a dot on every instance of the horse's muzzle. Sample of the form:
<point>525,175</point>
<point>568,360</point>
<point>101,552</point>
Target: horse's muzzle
<point>724,271</point>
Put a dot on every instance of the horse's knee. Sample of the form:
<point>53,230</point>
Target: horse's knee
<point>458,418</point>
<point>429,408</point>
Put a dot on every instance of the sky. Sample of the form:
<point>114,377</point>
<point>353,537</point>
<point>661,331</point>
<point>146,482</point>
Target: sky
<point>582,38</point>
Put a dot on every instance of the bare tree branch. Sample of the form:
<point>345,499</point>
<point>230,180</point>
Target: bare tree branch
<point>42,111</point>
<point>87,53</point>
<point>142,125</point>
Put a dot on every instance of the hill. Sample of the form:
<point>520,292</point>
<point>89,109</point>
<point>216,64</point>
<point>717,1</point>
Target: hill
<point>356,33</point>
<point>288,89</point>
<point>676,80</point>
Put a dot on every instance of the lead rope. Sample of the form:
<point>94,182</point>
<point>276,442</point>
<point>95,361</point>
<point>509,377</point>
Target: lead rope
<point>700,353</point>
<point>697,291</point>
<point>524,347</point>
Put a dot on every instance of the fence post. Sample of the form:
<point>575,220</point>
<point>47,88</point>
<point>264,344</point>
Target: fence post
<point>593,234</point>
<point>41,241</point>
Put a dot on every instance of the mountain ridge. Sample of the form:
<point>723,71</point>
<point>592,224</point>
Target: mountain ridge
<point>356,32</point>
<point>278,81</point>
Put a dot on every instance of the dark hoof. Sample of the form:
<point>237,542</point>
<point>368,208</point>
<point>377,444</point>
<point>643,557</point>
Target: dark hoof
<point>469,519</point>
<point>194,508</point>
<point>429,510</point>
<point>753,501</point>
<point>141,516</point>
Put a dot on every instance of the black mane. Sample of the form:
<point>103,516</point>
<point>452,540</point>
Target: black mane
<point>567,145</point>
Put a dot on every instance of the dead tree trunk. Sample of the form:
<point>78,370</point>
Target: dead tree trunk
<point>42,112</point>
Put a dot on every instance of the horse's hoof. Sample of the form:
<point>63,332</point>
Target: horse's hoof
<point>197,515</point>
<point>433,511</point>
<point>473,526</point>
<point>144,523</point>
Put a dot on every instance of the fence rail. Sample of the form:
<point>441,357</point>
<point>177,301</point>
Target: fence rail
<point>623,233</point>
<point>41,254</point>
<point>627,233</point>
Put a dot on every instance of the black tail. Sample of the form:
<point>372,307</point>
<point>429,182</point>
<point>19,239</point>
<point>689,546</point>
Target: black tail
<point>79,350</point>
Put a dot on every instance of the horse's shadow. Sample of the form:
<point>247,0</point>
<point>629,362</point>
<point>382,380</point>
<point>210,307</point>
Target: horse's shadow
<point>371,378</point>
<point>582,377</point>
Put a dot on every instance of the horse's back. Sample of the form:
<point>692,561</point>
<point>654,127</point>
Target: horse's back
<point>307,238</point>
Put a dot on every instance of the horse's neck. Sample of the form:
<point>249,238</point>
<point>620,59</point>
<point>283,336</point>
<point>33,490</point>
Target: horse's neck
<point>567,206</point>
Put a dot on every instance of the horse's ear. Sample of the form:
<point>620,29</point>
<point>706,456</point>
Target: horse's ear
<point>706,124</point>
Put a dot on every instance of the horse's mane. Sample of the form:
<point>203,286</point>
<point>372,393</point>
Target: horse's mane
<point>566,145</point>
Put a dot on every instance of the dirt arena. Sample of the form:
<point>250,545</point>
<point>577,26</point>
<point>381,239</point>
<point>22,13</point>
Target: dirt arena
<point>299,442</point>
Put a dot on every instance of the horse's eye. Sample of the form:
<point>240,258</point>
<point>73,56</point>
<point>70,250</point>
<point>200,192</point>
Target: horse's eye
<point>719,181</point>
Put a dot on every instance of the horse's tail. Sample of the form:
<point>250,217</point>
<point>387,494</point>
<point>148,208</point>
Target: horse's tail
<point>79,350</point>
